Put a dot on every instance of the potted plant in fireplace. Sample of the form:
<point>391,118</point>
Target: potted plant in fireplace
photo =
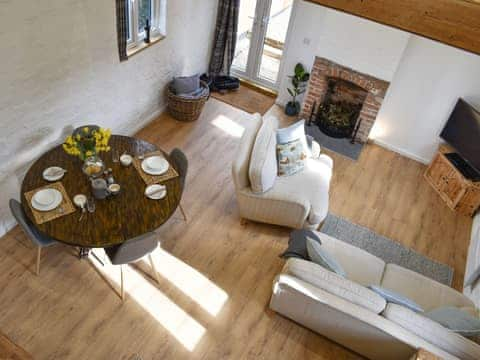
<point>299,83</point>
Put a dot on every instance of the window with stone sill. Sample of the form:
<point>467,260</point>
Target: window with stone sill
<point>138,12</point>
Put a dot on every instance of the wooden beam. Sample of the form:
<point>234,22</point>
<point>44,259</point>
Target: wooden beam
<point>452,22</point>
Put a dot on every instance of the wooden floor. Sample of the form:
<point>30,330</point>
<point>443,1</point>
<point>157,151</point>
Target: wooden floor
<point>247,99</point>
<point>216,272</point>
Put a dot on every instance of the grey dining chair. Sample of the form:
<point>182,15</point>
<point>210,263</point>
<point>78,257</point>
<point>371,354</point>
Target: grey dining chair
<point>180,163</point>
<point>131,251</point>
<point>38,239</point>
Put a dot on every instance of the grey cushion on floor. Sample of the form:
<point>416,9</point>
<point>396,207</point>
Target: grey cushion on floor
<point>456,320</point>
<point>297,245</point>
<point>320,256</point>
<point>186,84</point>
<point>396,298</point>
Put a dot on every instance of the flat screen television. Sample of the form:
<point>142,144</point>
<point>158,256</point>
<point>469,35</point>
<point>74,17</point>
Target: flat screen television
<point>462,132</point>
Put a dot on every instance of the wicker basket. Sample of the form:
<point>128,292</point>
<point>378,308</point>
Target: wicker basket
<point>185,109</point>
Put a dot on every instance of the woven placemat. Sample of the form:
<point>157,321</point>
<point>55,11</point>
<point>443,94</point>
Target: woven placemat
<point>154,179</point>
<point>66,206</point>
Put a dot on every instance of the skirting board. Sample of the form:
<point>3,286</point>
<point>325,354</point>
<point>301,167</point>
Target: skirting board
<point>401,151</point>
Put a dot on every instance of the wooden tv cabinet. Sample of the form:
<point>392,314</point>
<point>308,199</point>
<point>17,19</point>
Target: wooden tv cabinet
<point>460,194</point>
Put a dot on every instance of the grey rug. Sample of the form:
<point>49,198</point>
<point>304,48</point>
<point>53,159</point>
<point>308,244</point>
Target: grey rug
<point>386,249</point>
<point>340,146</point>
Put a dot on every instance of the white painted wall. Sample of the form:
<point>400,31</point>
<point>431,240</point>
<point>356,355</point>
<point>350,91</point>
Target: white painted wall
<point>60,69</point>
<point>363,45</point>
<point>426,78</point>
<point>429,80</point>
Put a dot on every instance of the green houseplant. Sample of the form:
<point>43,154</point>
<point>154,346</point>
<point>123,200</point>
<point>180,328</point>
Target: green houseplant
<point>299,84</point>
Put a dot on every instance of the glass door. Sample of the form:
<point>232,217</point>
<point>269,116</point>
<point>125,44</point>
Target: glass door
<point>262,31</point>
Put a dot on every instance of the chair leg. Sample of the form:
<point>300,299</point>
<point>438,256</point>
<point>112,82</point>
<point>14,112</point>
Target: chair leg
<point>122,286</point>
<point>39,254</point>
<point>153,268</point>
<point>183,212</point>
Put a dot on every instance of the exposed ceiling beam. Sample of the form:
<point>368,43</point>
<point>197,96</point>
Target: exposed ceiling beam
<point>452,22</point>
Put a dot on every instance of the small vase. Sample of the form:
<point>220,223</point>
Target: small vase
<point>292,108</point>
<point>93,167</point>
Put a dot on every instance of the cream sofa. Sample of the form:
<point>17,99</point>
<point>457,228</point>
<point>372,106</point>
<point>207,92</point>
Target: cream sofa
<point>297,201</point>
<point>346,311</point>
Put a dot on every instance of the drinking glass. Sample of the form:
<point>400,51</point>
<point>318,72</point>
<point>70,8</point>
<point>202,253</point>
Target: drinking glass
<point>115,156</point>
<point>91,205</point>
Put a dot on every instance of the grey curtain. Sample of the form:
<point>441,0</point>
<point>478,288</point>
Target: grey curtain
<point>122,28</point>
<point>225,37</point>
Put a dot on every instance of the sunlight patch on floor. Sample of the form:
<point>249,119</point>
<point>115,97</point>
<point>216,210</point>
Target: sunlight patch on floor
<point>229,126</point>
<point>169,315</point>
<point>190,281</point>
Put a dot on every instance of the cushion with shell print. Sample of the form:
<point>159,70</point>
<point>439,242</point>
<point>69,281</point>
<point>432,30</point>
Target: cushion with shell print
<point>291,157</point>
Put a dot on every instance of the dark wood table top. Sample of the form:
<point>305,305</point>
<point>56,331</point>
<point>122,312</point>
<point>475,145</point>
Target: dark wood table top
<point>117,218</point>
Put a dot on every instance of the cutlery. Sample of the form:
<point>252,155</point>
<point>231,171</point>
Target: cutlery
<point>83,212</point>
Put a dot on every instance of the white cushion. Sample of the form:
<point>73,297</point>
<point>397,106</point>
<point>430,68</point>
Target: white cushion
<point>360,266</point>
<point>334,284</point>
<point>310,186</point>
<point>473,261</point>
<point>294,132</point>
<point>241,163</point>
<point>433,332</point>
<point>263,161</point>
<point>428,293</point>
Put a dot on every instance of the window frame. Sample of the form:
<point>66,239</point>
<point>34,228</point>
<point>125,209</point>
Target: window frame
<point>157,22</point>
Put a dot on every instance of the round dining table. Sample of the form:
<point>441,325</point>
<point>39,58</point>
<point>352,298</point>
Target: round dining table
<point>117,218</point>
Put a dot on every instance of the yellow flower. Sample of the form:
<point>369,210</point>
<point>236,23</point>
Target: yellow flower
<point>88,153</point>
<point>85,129</point>
<point>69,140</point>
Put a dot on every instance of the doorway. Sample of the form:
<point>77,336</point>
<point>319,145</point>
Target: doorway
<point>262,31</point>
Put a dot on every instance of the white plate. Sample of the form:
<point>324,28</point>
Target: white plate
<point>156,191</point>
<point>46,199</point>
<point>155,165</point>
<point>53,173</point>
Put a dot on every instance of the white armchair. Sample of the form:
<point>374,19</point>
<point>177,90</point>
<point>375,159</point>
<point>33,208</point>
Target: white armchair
<point>296,201</point>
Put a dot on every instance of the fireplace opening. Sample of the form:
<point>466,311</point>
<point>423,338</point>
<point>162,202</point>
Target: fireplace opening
<point>337,115</point>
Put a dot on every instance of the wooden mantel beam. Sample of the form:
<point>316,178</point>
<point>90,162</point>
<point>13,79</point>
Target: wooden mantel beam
<point>452,22</point>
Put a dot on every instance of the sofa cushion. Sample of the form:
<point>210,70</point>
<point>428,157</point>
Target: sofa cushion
<point>291,157</point>
<point>314,147</point>
<point>263,161</point>
<point>334,284</point>
<point>320,256</point>
<point>241,164</point>
<point>396,298</point>
<point>294,132</point>
<point>360,266</point>
<point>432,332</point>
<point>428,293</point>
<point>307,191</point>
<point>456,319</point>
<point>473,263</point>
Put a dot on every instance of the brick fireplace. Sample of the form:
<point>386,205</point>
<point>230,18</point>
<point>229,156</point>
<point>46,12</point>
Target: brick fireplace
<point>329,80</point>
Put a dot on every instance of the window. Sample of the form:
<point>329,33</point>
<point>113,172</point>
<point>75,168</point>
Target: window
<point>138,12</point>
